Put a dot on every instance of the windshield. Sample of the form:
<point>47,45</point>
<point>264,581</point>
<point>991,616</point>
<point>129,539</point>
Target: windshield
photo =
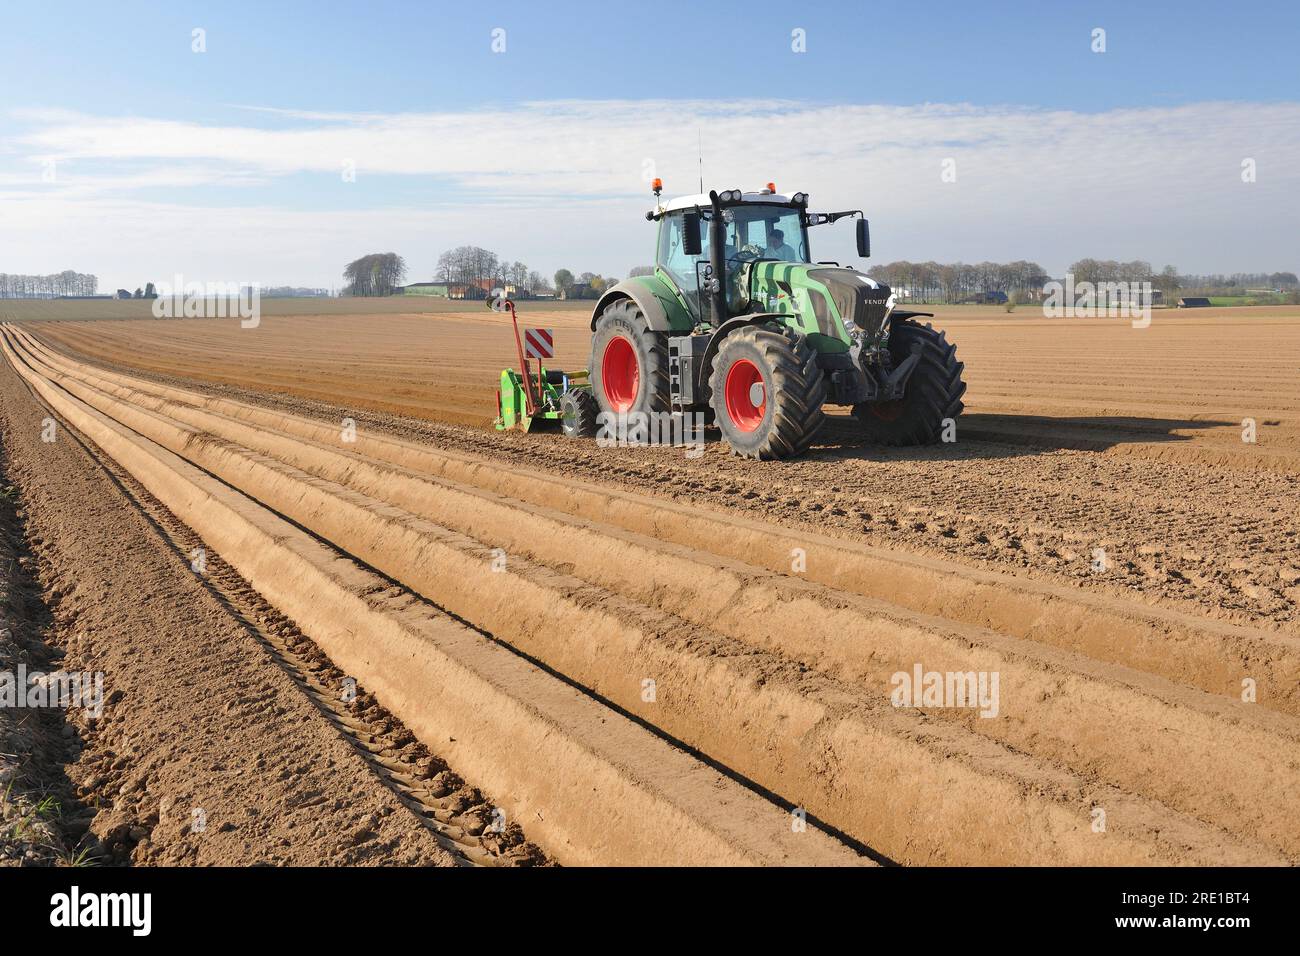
<point>762,231</point>
<point>752,231</point>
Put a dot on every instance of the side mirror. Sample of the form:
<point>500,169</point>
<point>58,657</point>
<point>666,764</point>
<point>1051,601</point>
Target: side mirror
<point>691,234</point>
<point>864,239</point>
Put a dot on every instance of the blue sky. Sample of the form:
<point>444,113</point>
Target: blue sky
<point>413,95</point>
<point>412,56</point>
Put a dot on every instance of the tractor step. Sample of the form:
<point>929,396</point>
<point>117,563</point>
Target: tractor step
<point>686,368</point>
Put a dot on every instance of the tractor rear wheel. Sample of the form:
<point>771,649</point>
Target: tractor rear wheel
<point>767,392</point>
<point>629,362</point>
<point>933,393</point>
<point>578,410</point>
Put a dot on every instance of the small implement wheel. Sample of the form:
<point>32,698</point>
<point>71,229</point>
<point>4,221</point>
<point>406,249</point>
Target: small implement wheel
<point>578,410</point>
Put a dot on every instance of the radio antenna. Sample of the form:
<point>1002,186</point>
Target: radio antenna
<point>699,141</point>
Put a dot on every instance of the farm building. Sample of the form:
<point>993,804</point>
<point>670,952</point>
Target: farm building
<point>1134,296</point>
<point>996,297</point>
<point>477,289</point>
<point>424,288</point>
<point>1194,302</point>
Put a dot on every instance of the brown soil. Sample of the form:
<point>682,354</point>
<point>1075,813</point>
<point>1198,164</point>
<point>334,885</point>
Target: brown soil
<point>543,745</point>
<point>624,563</point>
<point>1079,435</point>
<point>203,712</point>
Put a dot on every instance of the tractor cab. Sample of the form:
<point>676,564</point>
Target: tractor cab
<point>755,227</point>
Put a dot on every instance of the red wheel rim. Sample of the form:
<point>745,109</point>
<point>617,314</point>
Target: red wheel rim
<point>746,395</point>
<point>620,376</point>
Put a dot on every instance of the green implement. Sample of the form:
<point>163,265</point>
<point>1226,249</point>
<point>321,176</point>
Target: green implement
<point>525,398</point>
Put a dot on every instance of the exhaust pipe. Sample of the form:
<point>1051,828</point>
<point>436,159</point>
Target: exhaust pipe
<point>717,241</point>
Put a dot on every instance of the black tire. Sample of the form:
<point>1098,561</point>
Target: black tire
<point>933,393</point>
<point>622,321</point>
<point>793,390</point>
<point>578,413</point>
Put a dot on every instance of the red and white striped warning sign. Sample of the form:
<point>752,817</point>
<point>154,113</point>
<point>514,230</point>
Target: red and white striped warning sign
<point>539,343</point>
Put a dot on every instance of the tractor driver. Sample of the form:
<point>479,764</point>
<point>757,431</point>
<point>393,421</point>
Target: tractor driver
<point>777,249</point>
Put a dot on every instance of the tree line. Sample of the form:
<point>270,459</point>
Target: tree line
<point>1238,282</point>
<point>44,287</point>
<point>959,281</point>
<point>934,281</point>
<point>481,270</point>
<point>1174,283</point>
<point>379,273</point>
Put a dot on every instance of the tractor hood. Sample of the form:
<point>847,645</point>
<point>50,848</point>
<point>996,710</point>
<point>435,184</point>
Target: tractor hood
<point>861,302</point>
<point>838,303</point>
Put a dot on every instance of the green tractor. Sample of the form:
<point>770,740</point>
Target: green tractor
<point>738,323</point>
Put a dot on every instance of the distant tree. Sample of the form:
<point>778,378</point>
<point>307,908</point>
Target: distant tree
<point>640,271</point>
<point>139,294</point>
<point>149,291</point>
<point>1108,270</point>
<point>478,269</point>
<point>442,272</point>
<point>584,287</point>
<point>517,275</point>
<point>563,281</point>
<point>379,273</point>
<point>1169,282</point>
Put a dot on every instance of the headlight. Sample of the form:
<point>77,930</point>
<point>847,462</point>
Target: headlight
<point>800,199</point>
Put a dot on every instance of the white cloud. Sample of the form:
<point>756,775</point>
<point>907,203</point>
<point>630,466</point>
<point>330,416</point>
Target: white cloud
<point>563,183</point>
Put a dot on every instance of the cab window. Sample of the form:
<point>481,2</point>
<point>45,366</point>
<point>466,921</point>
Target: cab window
<point>672,254</point>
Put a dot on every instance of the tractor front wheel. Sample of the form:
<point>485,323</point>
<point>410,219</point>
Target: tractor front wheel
<point>629,362</point>
<point>933,393</point>
<point>767,392</point>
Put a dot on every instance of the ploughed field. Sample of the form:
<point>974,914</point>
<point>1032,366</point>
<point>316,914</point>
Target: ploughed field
<point>643,656</point>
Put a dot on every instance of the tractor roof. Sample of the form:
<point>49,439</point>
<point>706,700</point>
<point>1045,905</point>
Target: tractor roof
<point>702,199</point>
